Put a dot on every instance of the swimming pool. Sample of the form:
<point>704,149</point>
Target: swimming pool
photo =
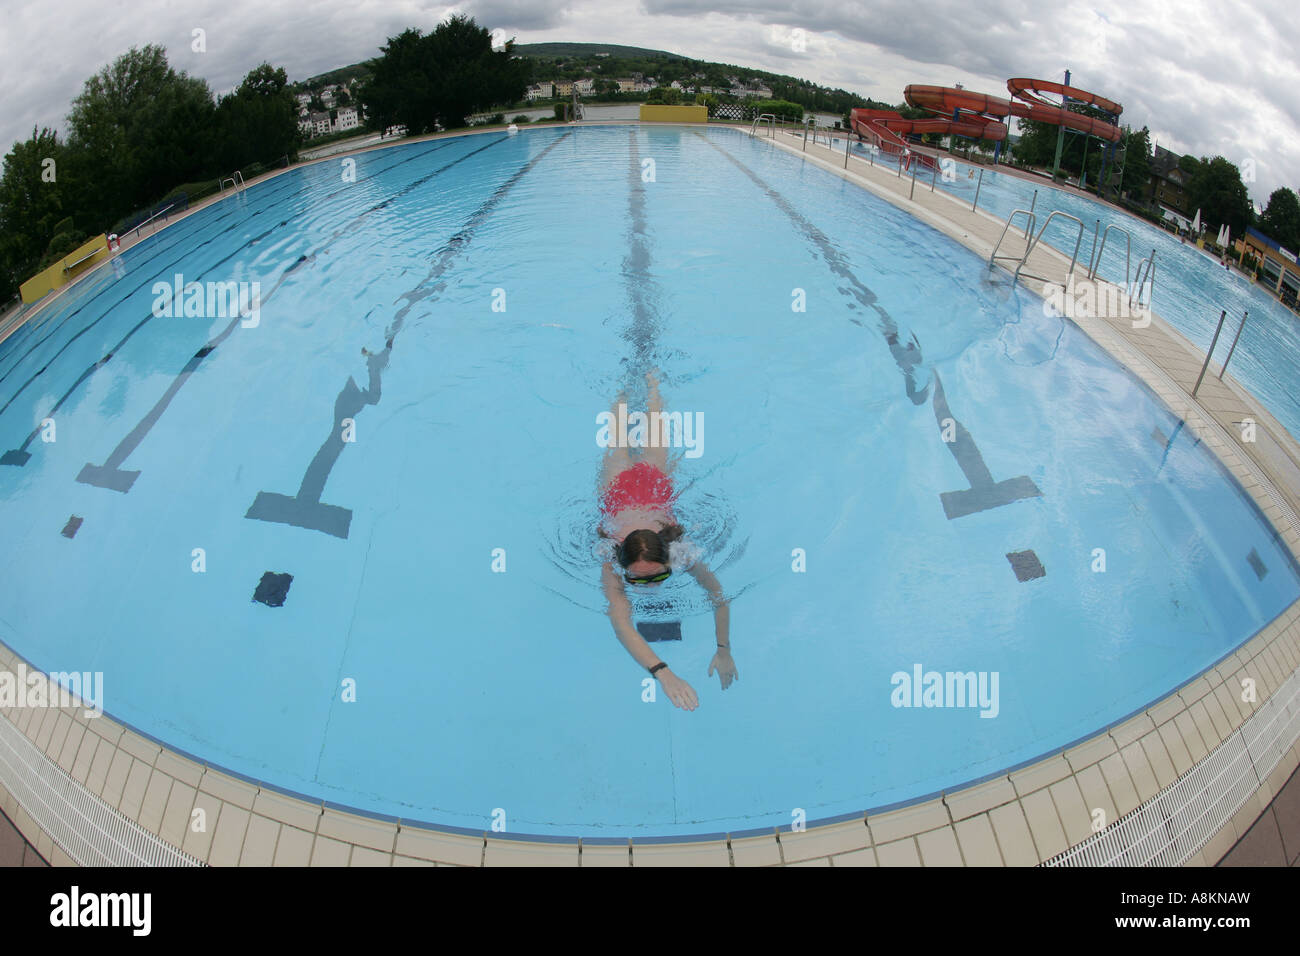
<point>1190,288</point>
<point>904,467</point>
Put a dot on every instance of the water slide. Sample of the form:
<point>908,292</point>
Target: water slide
<point>979,116</point>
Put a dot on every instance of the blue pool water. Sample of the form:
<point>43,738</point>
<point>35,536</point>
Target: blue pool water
<point>1191,288</point>
<point>472,305</point>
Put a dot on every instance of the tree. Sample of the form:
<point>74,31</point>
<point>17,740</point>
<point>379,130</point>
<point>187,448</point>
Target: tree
<point>1281,219</point>
<point>137,128</point>
<point>422,81</point>
<point>665,95</point>
<point>1137,161</point>
<point>32,207</point>
<point>258,122</point>
<point>1216,189</point>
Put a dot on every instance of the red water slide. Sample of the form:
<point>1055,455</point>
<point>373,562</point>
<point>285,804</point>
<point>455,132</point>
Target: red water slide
<point>1036,108</point>
<point>979,116</point>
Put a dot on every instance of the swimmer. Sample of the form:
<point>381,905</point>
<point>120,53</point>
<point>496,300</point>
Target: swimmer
<point>636,515</point>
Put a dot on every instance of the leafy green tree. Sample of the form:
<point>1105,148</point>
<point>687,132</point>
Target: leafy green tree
<point>422,81</point>
<point>1281,219</point>
<point>32,206</point>
<point>1216,189</point>
<point>137,128</point>
<point>782,109</point>
<point>258,122</point>
<point>664,95</point>
<point>1137,161</point>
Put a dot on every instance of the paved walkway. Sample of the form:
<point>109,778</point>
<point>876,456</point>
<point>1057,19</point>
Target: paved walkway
<point>14,849</point>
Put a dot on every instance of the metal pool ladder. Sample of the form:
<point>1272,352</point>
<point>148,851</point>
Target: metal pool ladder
<point>1128,252</point>
<point>1146,274</point>
<point>1029,227</point>
<point>1031,244</point>
<point>771,119</point>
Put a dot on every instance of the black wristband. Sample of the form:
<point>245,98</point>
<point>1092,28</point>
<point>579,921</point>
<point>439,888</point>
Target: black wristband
<point>660,666</point>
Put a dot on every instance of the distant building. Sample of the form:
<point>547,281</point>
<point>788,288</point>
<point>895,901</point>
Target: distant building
<point>563,87</point>
<point>540,91</point>
<point>1277,266</point>
<point>347,118</point>
<point>1168,182</point>
<point>320,123</point>
<point>585,87</point>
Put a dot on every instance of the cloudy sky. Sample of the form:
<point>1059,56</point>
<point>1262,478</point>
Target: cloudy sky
<point>1207,77</point>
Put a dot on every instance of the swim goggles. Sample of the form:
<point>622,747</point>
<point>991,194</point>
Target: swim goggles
<point>652,579</point>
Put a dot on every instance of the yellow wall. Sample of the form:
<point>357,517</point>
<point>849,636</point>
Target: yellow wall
<point>674,114</point>
<point>53,277</point>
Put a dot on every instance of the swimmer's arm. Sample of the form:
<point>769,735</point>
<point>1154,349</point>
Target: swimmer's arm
<point>721,610</point>
<point>620,615</point>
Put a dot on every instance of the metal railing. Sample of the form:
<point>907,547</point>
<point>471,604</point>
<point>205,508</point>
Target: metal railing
<point>236,180</point>
<point>1029,227</point>
<point>1038,238</point>
<point>1146,274</point>
<point>1095,261</point>
<point>770,117</point>
<point>161,212</point>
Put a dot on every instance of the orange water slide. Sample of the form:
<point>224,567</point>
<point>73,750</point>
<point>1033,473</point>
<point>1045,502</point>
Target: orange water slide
<point>1035,107</point>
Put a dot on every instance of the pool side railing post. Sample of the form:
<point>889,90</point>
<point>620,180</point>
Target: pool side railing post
<point>934,176</point>
<point>1223,314</point>
<point>977,190</point>
<point>1032,204</point>
<point>912,192</point>
<point>1092,261</point>
<point>1245,316</point>
<point>847,143</point>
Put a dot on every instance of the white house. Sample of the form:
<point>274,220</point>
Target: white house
<point>347,118</point>
<point>585,87</point>
<point>540,91</point>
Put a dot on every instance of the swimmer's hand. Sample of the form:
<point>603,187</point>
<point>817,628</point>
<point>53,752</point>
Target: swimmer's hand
<point>678,691</point>
<point>725,667</point>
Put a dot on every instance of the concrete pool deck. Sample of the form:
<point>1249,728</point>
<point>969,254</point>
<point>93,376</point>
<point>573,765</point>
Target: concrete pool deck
<point>1025,816</point>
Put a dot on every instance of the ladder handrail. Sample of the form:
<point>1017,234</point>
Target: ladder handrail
<point>1128,254</point>
<point>1149,277</point>
<point>1030,247</point>
<point>771,117</point>
<point>1029,227</point>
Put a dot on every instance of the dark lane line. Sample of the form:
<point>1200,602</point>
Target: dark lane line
<point>984,493</point>
<point>109,475</point>
<point>19,457</point>
<point>233,209</point>
<point>305,509</point>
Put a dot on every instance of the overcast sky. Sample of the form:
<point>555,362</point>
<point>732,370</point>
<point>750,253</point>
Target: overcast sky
<point>1207,77</point>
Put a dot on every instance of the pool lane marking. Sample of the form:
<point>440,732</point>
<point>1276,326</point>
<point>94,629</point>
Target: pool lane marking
<point>305,509</point>
<point>232,210</point>
<point>636,264</point>
<point>984,493</point>
<point>110,475</point>
<point>20,456</point>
